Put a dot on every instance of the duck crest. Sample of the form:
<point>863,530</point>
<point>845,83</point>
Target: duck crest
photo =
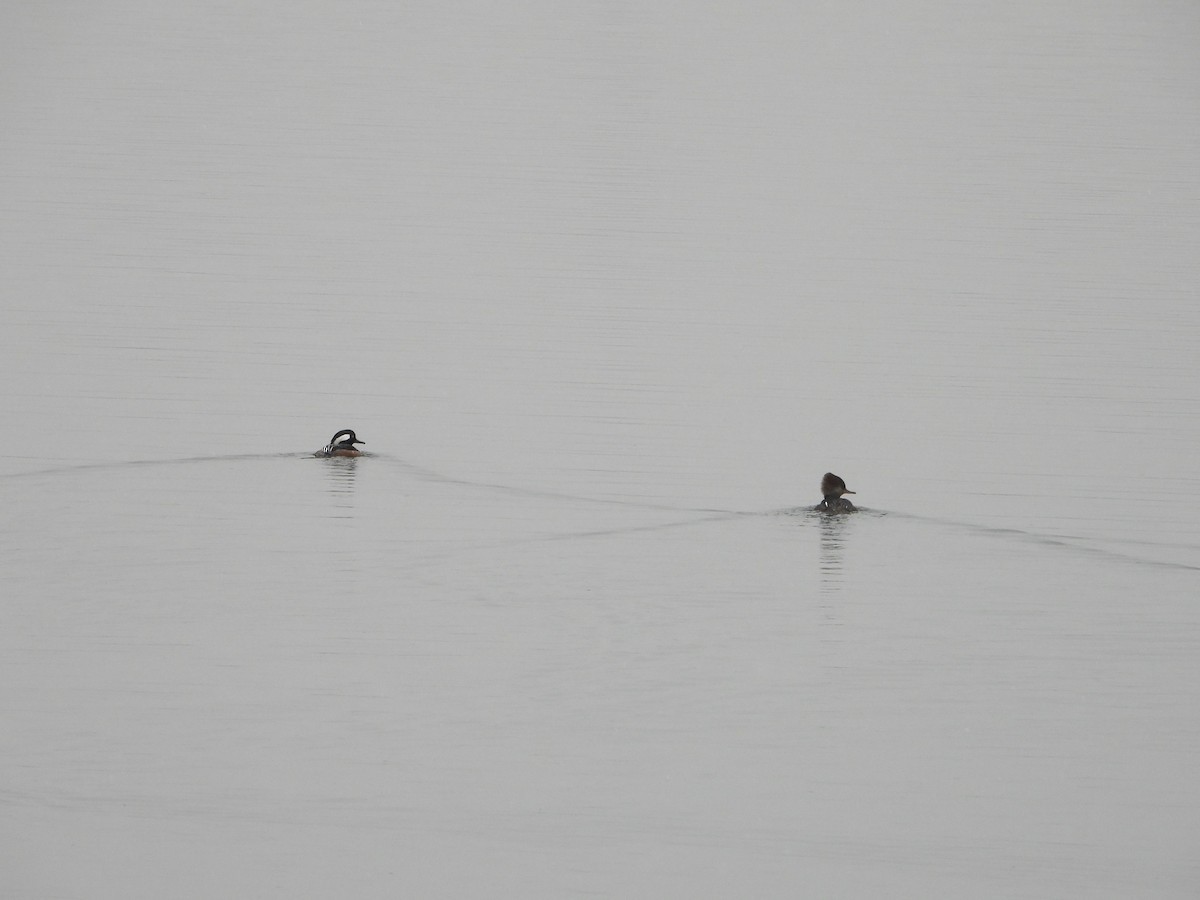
<point>342,444</point>
<point>832,489</point>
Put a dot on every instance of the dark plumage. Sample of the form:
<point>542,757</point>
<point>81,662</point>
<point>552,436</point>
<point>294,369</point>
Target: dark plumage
<point>832,487</point>
<point>343,447</point>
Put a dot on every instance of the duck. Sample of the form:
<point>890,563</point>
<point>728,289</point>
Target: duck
<point>343,447</point>
<point>832,487</point>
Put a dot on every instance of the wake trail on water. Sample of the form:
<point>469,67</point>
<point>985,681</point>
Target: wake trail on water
<point>1076,543</point>
<point>433,475</point>
<point>698,514</point>
<point>136,463</point>
<point>423,472</point>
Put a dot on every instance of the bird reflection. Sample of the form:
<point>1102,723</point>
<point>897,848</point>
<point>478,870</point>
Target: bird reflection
<point>341,472</point>
<point>834,531</point>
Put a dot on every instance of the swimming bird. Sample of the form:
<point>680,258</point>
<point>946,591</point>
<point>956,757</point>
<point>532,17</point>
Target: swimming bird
<point>344,447</point>
<point>833,487</point>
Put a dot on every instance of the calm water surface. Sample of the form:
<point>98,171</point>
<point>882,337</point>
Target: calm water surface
<point>606,290</point>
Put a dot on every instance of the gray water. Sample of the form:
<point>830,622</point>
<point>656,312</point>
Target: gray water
<point>605,288</point>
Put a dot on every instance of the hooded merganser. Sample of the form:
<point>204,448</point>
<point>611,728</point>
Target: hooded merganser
<point>344,447</point>
<point>833,488</point>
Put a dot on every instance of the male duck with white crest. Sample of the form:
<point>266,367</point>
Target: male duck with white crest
<point>342,444</point>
